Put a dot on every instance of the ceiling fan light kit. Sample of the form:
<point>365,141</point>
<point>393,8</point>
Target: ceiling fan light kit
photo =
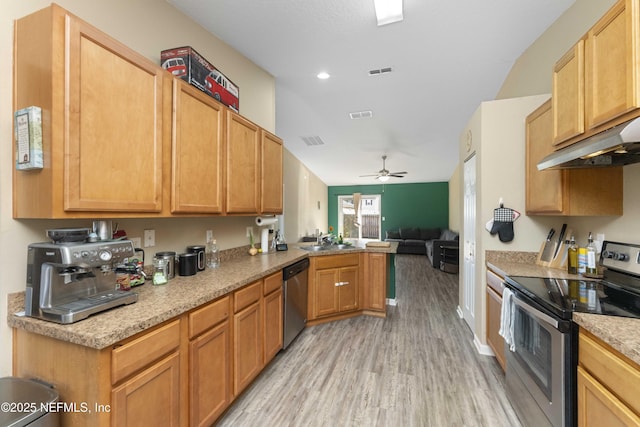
<point>383,174</point>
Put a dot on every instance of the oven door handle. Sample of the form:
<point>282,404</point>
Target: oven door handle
<point>536,313</point>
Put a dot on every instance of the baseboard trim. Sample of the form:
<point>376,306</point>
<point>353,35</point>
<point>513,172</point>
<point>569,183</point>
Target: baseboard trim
<point>459,311</point>
<point>392,301</point>
<point>483,349</point>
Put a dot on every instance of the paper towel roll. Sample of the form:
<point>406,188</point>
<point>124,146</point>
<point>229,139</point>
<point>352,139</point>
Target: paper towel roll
<point>262,221</point>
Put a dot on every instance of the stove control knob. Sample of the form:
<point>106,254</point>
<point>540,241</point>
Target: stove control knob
<point>608,254</point>
<point>621,257</point>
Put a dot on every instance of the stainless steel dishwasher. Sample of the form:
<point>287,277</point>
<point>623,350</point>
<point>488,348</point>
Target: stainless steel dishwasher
<point>295,279</point>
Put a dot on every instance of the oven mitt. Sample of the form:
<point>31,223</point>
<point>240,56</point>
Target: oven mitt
<point>503,224</point>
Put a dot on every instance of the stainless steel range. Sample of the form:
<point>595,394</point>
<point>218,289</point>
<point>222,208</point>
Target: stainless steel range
<point>541,368</point>
<point>69,281</point>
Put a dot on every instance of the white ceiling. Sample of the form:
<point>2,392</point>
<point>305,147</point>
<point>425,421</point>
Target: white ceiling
<point>447,57</point>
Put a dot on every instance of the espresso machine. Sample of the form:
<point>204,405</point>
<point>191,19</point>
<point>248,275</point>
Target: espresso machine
<point>70,279</point>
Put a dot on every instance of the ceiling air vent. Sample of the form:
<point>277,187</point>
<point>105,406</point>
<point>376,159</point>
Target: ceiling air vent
<point>361,115</point>
<point>312,140</point>
<point>380,71</point>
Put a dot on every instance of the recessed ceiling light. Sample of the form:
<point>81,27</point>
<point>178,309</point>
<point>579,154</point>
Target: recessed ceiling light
<point>323,75</point>
<point>388,11</point>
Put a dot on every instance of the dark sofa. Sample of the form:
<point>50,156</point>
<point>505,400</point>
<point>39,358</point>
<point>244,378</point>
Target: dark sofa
<point>423,241</point>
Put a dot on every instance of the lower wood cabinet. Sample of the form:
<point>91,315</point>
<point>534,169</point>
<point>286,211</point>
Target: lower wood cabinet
<point>494,311</point>
<point>374,288</point>
<point>209,362</point>
<point>608,385</point>
<point>151,397</point>
<point>273,316</point>
<point>248,358</point>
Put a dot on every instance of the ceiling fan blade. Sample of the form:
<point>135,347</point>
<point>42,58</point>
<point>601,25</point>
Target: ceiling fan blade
<point>398,173</point>
<point>396,176</point>
<point>375,174</point>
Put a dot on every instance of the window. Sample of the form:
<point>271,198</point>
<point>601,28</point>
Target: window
<point>369,217</point>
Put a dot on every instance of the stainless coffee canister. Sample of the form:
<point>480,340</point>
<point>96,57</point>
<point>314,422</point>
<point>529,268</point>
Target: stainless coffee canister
<point>171,262</point>
<point>199,251</point>
<point>103,229</point>
<point>187,264</point>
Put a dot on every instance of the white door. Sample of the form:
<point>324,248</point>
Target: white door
<point>469,257</point>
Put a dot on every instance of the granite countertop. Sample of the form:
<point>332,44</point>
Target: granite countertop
<point>157,304</point>
<point>620,333</point>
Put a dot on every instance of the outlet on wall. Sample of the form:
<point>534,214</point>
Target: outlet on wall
<point>250,231</point>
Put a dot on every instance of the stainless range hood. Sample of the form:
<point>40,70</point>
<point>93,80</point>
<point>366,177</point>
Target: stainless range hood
<point>617,146</point>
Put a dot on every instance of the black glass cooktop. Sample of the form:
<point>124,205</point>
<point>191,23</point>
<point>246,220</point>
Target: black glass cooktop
<point>564,296</point>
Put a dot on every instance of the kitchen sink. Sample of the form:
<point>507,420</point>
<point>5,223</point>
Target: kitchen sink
<point>316,248</point>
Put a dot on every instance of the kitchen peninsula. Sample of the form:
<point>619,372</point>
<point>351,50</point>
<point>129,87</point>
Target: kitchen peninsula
<point>188,348</point>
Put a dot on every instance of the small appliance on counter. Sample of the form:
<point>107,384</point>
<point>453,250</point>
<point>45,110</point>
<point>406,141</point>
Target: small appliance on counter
<point>70,279</point>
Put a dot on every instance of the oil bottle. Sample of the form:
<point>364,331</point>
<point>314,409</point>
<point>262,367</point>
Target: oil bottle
<point>572,257</point>
<point>591,257</point>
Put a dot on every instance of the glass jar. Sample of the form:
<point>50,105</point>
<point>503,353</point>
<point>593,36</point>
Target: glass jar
<point>160,271</point>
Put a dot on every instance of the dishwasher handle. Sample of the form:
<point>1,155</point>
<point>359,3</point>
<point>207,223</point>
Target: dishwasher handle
<point>295,269</point>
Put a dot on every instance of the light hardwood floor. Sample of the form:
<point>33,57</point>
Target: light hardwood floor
<point>417,367</point>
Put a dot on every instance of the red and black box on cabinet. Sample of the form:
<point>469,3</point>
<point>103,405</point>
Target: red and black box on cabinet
<point>190,66</point>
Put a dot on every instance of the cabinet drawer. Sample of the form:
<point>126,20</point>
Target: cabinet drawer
<point>617,374</point>
<point>142,351</point>
<point>333,261</point>
<point>246,296</point>
<point>272,283</point>
<point>208,316</point>
<point>495,282</point>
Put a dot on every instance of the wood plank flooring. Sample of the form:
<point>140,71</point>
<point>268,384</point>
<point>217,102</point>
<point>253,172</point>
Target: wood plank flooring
<point>417,367</point>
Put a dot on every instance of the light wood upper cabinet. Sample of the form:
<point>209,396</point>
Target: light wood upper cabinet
<point>568,95</point>
<point>242,165</point>
<point>595,85</point>
<point>102,120</point>
<point>575,192</point>
<point>611,64</point>
<point>271,174</point>
<point>197,151</point>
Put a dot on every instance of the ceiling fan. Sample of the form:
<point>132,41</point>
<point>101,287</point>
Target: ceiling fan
<point>384,175</point>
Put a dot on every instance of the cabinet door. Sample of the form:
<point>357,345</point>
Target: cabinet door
<point>247,346</point>
<point>326,292</point>
<point>494,310</point>
<point>568,95</point>
<point>150,398</point>
<point>273,326</point>
<point>210,375</point>
<point>375,283</point>
<point>611,70</point>
<point>543,188</point>
<point>271,175</point>
<point>599,407</point>
<point>348,289</point>
<point>196,151</point>
<point>243,166</point>
<point>113,123</point>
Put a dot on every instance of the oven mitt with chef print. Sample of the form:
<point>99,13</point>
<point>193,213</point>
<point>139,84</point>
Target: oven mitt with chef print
<point>503,223</point>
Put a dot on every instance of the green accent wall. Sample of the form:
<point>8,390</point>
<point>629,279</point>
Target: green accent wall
<point>424,205</point>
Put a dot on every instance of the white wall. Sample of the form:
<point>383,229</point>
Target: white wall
<point>498,130</point>
<point>147,26</point>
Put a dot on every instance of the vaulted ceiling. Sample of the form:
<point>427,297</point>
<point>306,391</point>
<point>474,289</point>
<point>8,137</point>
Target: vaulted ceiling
<point>445,58</point>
